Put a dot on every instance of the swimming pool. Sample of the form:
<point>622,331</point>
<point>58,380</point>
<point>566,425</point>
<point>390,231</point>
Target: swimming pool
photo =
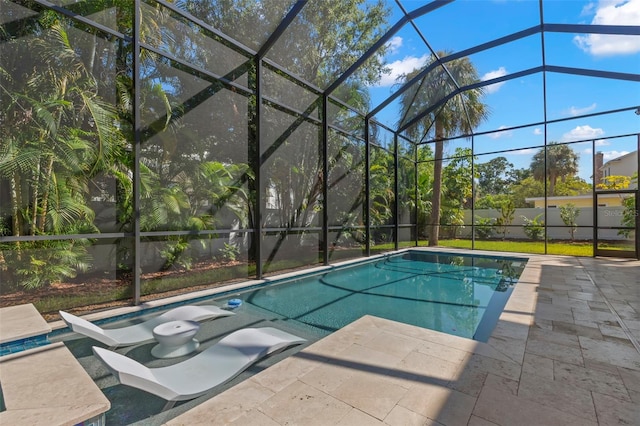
<point>456,294</point>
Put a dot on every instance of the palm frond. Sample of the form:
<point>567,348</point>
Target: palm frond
<point>104,117</point>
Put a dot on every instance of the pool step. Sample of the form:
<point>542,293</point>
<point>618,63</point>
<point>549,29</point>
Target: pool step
<point>46,385</point>
<point>21,322</point>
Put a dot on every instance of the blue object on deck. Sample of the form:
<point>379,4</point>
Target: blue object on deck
<point>234,303</point>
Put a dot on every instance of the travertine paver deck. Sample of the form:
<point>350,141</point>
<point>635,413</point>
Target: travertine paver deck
<point>565,352</point>
<point>48,386</point>
<point>21,322</point>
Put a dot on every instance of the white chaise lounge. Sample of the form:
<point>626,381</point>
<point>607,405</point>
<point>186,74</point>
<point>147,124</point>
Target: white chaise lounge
<point>143,332</point>
<point>196,376</point>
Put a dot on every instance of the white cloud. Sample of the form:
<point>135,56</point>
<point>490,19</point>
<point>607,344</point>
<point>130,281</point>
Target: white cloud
<point>537,131</point>
<point>574,111</point>
<point>394,44</point>
<point>492,88</point>
<point>401,67</point>
<point>612,12</point>
<point>527,151</point>
<point>503,134</point>
<point>588,9</point>
<point>599,142</point>
<point>582,133</point>
<point>610,155</point>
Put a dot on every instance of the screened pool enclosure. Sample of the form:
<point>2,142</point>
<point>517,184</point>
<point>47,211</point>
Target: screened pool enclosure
<point>151,146</point>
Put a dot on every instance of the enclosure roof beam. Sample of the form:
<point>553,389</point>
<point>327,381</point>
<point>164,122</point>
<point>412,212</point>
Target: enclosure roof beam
<point>465,88</point>
<point>282,27</point>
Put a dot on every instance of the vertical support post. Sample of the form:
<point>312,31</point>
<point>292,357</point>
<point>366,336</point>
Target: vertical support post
<point>396,207</point>
<point>137,141</point>
<point>325,179</point>
<point>367,188</point>
<point>594,198</point>
<point>544,113</point>
<point>473,194</point>
<point>257,231</point>
<point>416,194</point>
<point>637,212</point>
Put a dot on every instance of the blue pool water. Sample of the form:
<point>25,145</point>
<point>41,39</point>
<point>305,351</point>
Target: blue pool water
<point>456,294</point>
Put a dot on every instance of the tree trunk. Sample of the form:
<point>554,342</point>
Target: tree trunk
<point>437,189</point>
<point>34,200</point>
<point>552,184</point>
<point>16,198</point>
<point>45,196</point>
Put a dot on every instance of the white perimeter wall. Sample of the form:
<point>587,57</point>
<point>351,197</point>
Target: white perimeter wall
<point>607,216</point>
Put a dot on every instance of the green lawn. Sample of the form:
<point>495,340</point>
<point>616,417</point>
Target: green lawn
<point>536,247</point>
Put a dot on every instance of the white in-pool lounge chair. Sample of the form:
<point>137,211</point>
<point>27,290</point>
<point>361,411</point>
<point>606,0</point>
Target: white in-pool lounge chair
<point>143,332</point>
<point>196,376</point>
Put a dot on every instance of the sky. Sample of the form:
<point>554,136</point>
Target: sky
<point>467,23</point>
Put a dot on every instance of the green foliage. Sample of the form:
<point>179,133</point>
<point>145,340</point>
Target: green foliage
<point>58,139</point>
<point>230,252</point>
<point>460,114</point>
<point>485,227</point>
<point>4,227</point>
<point>453,221</point>
<point>507,212</point>
<point>456,180</point>
<point>629,216</point>
<point>492,201</point>
<point>40,263</point>
<point>534,228</point>
<point>572,186</point>
<point>177,254</point>
<point>493,176</point>
<point>381,187</point>
<point>569,214</point>
<point>615,182</point>
<point>556,161</point>
<point>527,188</point>
<point>425,186</point>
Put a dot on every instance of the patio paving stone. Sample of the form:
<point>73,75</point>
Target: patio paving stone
<point>563,396</point>
<point>400,416</point>
<point>504,408</point>
<point>357,417</point>
<point>614,353</point>
<point>369,393</point>
<point>539,365</point>
<point>479,421</point>
<point>592,379</point>
<point>444,405</point>
<point>555,351</point>
<point>612,411</point>
<point>556,337</point>
<point>319,408</point>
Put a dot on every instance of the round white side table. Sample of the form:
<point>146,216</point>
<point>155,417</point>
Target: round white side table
<point>175,338</point>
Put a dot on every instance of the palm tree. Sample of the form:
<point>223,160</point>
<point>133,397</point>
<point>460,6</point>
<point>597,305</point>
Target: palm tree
<point>61,135</point>
<point>458,115</point>
<point>561,162</point>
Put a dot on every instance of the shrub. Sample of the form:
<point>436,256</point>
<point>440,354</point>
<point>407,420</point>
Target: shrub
<point>534,228</point>
<point>507,211</point>
<point>569,214</point>
<point>484,227</point>
<point>230,252</point>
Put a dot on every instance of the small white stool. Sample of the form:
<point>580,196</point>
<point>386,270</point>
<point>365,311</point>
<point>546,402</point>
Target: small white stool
<point>175,338</point>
